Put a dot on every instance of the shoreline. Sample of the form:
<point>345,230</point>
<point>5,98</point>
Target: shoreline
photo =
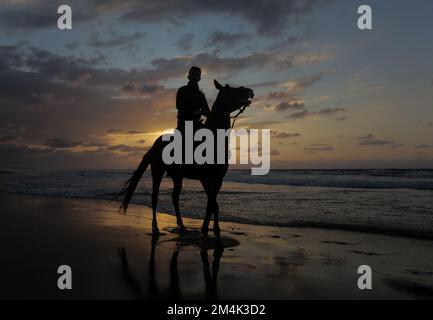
<point>112,256</point>
<point>404,234</point>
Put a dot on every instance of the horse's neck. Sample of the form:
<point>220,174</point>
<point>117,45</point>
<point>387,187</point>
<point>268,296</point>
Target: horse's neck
<point>218,119</point>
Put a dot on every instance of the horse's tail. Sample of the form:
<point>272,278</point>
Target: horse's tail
<point>130,185</point>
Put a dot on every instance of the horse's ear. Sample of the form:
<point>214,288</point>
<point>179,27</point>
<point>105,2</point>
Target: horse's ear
<point>217,84</point>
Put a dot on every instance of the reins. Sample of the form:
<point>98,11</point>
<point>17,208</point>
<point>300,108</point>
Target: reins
<point>242,109</point>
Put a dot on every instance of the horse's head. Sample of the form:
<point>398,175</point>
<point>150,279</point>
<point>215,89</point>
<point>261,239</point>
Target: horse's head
<point>233,99</point>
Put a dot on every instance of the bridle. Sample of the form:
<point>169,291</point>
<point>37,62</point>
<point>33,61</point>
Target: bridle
<point>241,110</point>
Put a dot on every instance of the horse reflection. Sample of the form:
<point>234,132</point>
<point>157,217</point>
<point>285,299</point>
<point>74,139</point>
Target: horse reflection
<point>173,291</point>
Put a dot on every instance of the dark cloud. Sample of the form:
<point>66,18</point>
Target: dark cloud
<point>330,111</point>
<point>9,132</point>
<point>126,148</point>
<point>115,41</point>
<point>322,112</point>
<point>284,135</point>
<point>342,118</point>
<point>371,140</point>
<point>114,130</point>
<point>227,40</point>
<point>312,148</point>
<point>299,115</point>
<point>423,146</point>
<point>185,42</point>
<point>214,63</point>
<point>31,15</point>
<point>94,145</point>
<point>284,106</point>
<point>121,131</point>
<point>72,45</point>
<point>376,142</point>
<point>60,143</point>
<point>13,149</point>
<point>269,17</point>
<point>134,89</point>
<point>295,88</point>
<point>274,152</point>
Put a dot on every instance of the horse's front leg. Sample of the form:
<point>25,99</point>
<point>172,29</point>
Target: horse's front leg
<point>216,210</point>
<point>216,226</point>
<point>177,188</point>
<point>206,220</point>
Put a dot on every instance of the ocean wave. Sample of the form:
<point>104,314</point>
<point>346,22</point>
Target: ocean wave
<point>366,179</point>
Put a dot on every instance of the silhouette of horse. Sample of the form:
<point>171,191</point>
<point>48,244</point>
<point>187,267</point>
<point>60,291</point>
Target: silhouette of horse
<point>229,99</point>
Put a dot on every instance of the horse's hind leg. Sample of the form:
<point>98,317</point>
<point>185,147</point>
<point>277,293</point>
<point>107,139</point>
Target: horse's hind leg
<point>157,174</point>
<point>177,188</point>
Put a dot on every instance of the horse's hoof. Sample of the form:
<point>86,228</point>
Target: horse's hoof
<point>217,233</point>
<point>156,233</point>
<point>183,230</point>
<point>205,233</point>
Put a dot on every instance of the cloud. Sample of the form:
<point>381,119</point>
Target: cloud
<point>126,148</point>
<point>135,90</point>
<point>216,64</point>
<point>123,132</point>
<point>322,112</point>
<point>185,42</point>
<point>274,152</point>
<point>330,111</point>
<point>72,45</point>
<point>371,140</point>
<point>430,124</point>
<point>290,99</point>
<point>284,135</point>
<point>31,15</point>
<point>115,41</point>
<point>342,118</point>
<point>114,130</point>
<point>423,146</point>
<point>227,40</point>
<point>311,58</point>
<point>299,115</point>
<point>312,148</point>
<point>60,143</point>
<point>298,85</point>
<point>284,106</point>
<point>294,88</point>
<point>9,132</point>
<point>269,18</point>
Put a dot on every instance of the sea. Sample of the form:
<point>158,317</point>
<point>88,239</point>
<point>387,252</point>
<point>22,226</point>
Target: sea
<point>384,201</point>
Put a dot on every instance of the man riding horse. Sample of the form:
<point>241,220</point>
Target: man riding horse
<point>191,104</point>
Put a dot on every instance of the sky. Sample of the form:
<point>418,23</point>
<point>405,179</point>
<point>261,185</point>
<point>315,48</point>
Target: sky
<point>334,96</point>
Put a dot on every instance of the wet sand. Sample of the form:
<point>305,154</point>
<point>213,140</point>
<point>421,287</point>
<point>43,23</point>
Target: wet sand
<point>112,256</point>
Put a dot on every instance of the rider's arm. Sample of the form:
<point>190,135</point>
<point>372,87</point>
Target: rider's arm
<point>204,106</point>
<point>180,100</point>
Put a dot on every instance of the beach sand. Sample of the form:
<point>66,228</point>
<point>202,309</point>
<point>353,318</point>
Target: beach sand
<point>112,256</point>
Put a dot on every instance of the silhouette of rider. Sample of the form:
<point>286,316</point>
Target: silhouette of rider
<point>191,102</point>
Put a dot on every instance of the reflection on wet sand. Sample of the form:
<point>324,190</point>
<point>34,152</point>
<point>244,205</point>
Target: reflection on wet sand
<point>174,289</point>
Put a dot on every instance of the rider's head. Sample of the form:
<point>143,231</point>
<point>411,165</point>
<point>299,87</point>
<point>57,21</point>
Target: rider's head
<point>194,74</point>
